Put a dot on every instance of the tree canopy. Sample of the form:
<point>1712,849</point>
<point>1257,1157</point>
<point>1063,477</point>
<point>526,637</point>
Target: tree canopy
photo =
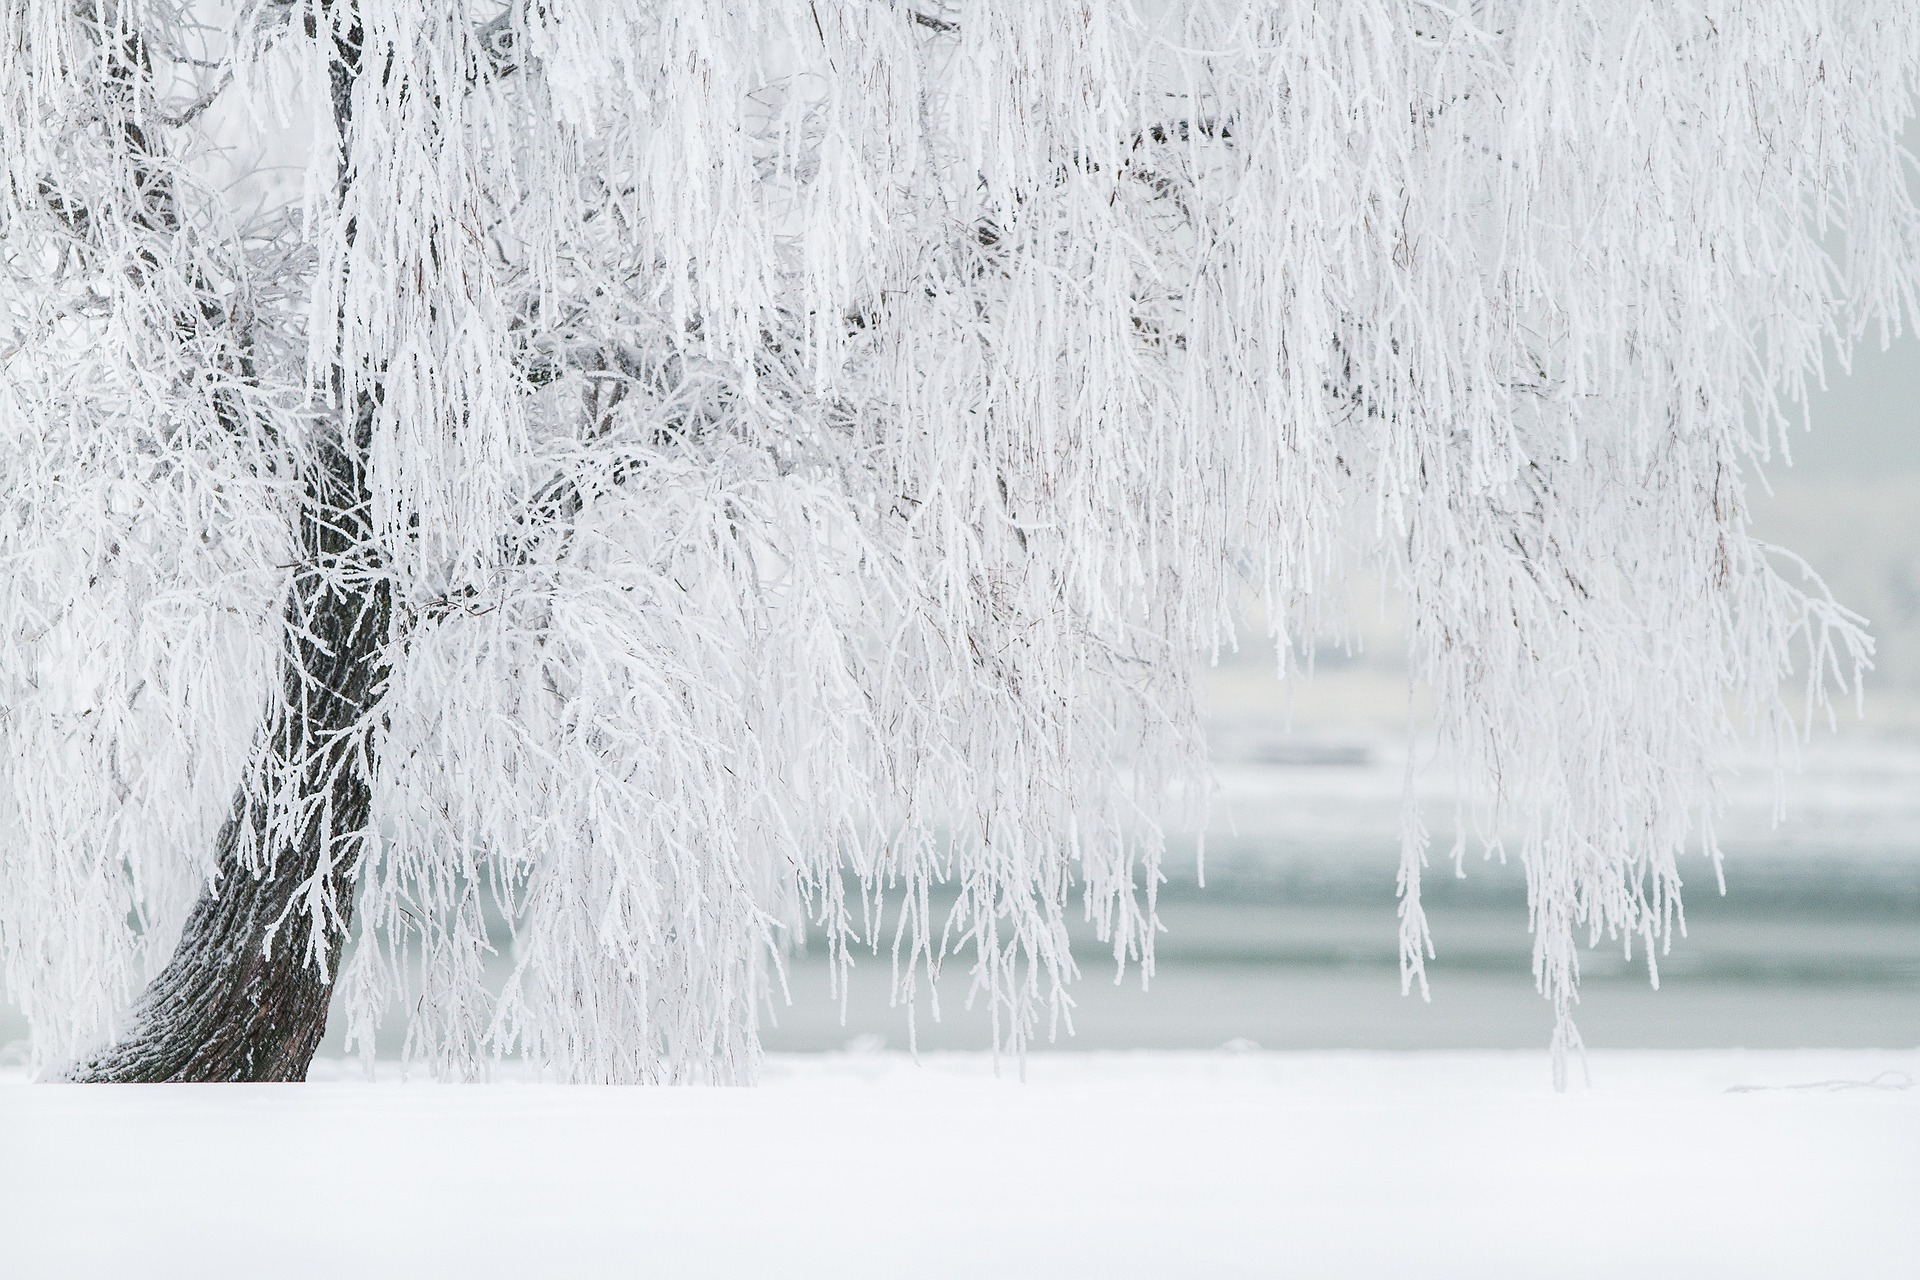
<point>769,462</point>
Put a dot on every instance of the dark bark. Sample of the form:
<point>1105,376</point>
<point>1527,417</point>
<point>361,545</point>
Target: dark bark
<point>245,995</point>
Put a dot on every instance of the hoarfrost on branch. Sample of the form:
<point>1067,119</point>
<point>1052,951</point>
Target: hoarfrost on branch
<point>807,443</point>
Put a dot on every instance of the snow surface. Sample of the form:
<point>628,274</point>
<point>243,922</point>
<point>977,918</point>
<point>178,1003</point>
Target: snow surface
<point>1788,1164</point>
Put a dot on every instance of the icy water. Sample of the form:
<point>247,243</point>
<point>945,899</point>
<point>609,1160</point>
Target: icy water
<point>1307,965</point>
<point>1292,944</point>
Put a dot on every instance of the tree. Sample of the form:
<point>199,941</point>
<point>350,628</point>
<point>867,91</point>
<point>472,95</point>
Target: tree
<point>680,471</point>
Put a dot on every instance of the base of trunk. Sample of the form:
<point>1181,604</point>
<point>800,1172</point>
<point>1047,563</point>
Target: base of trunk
<point>230,1005</point>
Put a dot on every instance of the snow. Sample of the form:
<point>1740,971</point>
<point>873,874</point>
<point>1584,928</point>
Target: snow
<point>1787,1164</point>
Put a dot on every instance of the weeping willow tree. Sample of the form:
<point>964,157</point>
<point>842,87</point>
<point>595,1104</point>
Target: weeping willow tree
<point>669,475</point>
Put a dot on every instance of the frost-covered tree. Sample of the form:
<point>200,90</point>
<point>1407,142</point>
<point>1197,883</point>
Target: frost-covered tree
<point>664,473</point>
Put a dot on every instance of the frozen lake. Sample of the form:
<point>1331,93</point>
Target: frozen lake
<point>1293,943</point>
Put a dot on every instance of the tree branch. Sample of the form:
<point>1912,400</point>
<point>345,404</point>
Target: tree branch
<point>155,206</point>
<point>932,23</point>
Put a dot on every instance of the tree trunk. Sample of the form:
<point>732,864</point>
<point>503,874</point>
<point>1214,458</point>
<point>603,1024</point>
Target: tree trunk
<point>242,997</point>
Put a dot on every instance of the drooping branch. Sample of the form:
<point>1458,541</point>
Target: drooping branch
<point>956,396</point>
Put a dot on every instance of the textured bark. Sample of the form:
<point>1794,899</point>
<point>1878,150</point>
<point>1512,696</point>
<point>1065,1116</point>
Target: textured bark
<point>242,997</point>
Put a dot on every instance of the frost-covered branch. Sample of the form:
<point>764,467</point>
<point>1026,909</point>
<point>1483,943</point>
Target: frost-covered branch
<point>790,455</point>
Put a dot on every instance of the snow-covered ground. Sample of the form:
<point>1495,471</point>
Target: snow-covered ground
<point>1749,1165</point>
